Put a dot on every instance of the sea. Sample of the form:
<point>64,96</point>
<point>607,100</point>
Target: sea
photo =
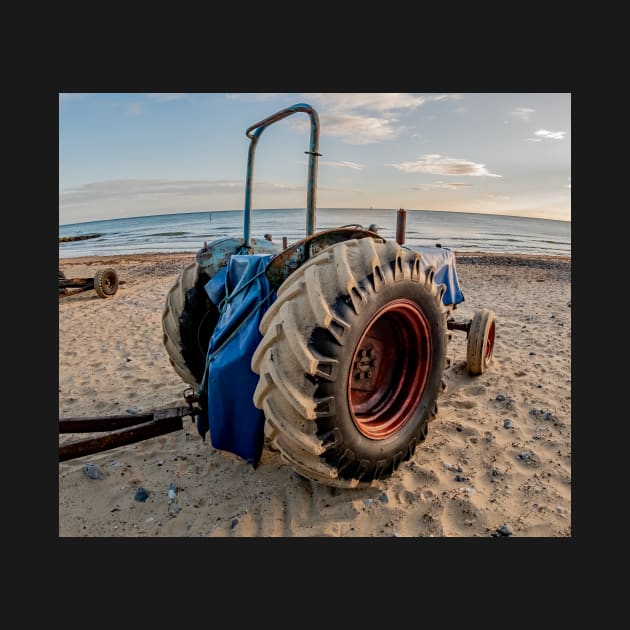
<point>187,231</point>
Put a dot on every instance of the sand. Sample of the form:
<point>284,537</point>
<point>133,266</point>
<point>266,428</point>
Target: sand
<point>476,475</point>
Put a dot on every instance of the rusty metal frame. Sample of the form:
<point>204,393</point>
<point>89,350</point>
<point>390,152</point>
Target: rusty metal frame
<point>72,286</point>
<point>281,266</point>
<point>124,429</point>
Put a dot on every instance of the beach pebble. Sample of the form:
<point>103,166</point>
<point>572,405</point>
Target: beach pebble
<point>507,424</point>
<point>234,523</point>
<point>132,410</point>
<point>531,354</point>
<point>141,495</point>
<point>368,502</point>
<point>524,455</point>
<point>461,478</point>
<point>383,498</point>
<point>505,530</point>
<point>171,494</point>
<point>93,471</point>
<point>500,397</point>
<point>174,509</point>
<point>495,472</point>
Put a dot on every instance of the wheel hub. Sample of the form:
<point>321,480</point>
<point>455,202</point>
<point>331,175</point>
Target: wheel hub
<point>390,369</point>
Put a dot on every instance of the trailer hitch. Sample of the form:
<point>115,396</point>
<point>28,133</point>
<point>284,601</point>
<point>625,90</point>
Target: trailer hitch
<point>124,429</point>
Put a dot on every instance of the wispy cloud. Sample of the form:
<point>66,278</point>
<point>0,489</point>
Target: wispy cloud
<point>160,188</point>
<point>351,165</point>
<point>359,129</point>
<point>522,113</point>
<point>439,165</point>
<point>366,118</point>
<point>376,101</point>
<point>551,135</point>
<point>441,186</point>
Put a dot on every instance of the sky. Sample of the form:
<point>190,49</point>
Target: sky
<point>136,154</point>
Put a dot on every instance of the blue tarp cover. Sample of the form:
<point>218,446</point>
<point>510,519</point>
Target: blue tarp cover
<point>443,259</point>
<point>242,293</point>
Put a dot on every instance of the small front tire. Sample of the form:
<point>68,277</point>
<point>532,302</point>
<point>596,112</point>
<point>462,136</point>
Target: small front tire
<point>480,341</point>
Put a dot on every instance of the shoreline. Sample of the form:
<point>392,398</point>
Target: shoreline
<point>464,257</point>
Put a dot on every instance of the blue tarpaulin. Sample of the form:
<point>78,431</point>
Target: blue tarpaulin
<point>443,259</point>
<point>242,293</point>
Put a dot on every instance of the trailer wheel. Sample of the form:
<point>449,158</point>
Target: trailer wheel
<point>351,361</point>
<point>480,341</point>
<point>62,275</point>
<point>105,282</point>
<point>188,320</point>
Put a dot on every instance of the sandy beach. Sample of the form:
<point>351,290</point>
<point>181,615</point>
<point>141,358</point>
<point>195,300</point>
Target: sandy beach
<point>496,461</point>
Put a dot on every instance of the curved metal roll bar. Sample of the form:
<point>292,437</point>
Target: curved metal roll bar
<point>253,133</point>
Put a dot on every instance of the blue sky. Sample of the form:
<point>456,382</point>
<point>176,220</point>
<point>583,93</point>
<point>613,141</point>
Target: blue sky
<point>131,154</point>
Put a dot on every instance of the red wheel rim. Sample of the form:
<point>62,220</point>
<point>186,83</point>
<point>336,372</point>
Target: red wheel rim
<point>390,369</point>
<point>489,344</point>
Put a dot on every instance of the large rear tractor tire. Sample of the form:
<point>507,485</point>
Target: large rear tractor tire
<point>351,362</point>
<point>188,320</point>
<point>105,282</point>
<point>480,344</point>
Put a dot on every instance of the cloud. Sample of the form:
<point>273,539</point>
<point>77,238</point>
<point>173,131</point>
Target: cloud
<point>153,189</point>
<point>522,113</point>
<point>366,118</point>
<point>359,129</point>
<point>439,165</point>
<point>552,135</point>
<point>352,165</point>
<point>441,186</point>
<point>376,101</point>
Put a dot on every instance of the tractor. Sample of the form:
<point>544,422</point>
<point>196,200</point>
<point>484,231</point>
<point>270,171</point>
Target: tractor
<point>330,350</point>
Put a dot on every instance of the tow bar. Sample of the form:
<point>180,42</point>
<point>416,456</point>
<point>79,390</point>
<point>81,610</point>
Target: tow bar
<point>124,429</point>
